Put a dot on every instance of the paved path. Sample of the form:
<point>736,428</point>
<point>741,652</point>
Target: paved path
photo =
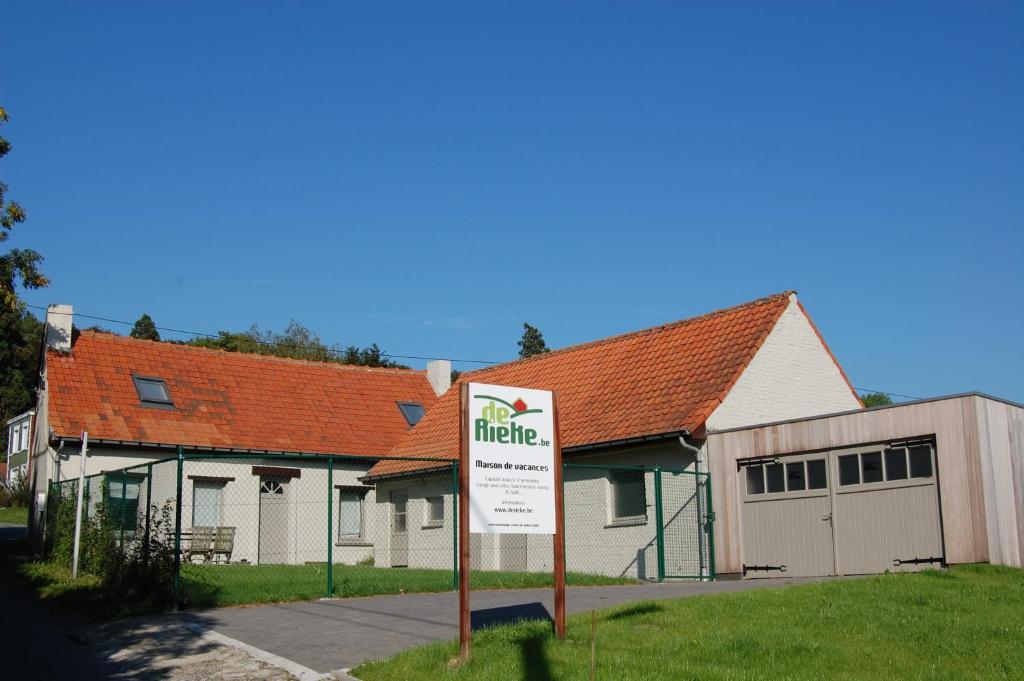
<point>335,634</point>
<point>39,646</point>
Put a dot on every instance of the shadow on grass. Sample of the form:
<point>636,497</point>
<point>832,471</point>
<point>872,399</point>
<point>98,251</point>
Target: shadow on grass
<point>509,614</point>
<point>635,610</point>
<point>536,666</point>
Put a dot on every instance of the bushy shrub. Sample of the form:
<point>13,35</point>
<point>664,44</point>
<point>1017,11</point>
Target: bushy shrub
<point>138,570</point>
<point>16,492</point>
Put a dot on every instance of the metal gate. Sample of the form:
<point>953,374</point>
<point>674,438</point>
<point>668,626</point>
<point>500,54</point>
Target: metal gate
<point>647,522</point>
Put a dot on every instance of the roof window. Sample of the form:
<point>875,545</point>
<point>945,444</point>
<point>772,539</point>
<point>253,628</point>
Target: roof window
<point>412,412</point>
<point>153,391</point>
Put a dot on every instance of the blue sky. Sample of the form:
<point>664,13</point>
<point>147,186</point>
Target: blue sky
<point>428,176</point>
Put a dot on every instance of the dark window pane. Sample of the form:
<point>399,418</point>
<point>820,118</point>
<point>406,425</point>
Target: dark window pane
<point>896,464</point>
<point>871,467</point>
<point>795,476</point>
<point>849,470</point>
<point>629,496</point>
<point>411,411</point>
<point>921,462</point>
<point>755,479</point>
<point>776,477</point>
<point>152,390</point>
<point>816,474</point>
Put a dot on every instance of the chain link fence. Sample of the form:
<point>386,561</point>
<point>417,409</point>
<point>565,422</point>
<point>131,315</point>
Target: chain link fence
<point>207,529</point>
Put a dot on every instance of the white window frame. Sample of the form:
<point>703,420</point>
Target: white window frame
<point>614,519</point>
<point>360,538</point>
<point>428,522</point>
<point>220,486</point>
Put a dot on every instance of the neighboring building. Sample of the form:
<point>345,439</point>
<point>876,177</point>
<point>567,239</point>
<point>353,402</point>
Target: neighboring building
<point>19,431</point>
<point>139,400</point>
<point>893,488</point>
<point>647,398</point>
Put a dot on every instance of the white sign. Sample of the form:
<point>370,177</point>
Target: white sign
<point>511,433</point>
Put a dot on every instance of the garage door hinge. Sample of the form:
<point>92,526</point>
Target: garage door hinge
<point>762,568</point>
<point>896,562</point>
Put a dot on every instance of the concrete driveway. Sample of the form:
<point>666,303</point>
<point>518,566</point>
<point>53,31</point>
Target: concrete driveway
<point>333,634</point>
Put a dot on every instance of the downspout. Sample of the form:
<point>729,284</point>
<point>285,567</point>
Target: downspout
<point>699,487</point>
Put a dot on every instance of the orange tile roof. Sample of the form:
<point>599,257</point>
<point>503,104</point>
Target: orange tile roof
<point>228,400</point>
<point>656,381</point>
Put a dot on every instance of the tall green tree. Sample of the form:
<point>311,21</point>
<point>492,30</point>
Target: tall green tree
<point>296,342</point>
<point>17,265</point>
<point>20,336</point>
<point>532,343</point>
<point>145,328</point>
<point>875,399</point>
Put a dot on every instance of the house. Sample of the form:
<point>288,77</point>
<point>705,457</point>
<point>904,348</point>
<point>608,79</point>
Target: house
<point>646,398</point>
<point>235,414</point>
<point>19,430</point>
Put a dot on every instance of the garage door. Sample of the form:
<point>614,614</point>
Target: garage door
<point>854,511</point>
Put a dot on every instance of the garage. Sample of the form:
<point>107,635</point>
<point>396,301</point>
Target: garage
<point>851,511</point>
<point>896,488</point>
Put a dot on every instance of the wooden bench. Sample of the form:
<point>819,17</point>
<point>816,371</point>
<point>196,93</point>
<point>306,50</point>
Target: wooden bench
<point>208,544</point>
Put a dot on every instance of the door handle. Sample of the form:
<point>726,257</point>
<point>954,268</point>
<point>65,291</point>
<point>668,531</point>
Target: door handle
<point>827,516</point>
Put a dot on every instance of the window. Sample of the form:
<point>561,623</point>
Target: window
<point>849,469</point>
<point>795,476</point>
<point>122,500</point>
<point>435,512</point>
<point>755,479</point>
<point>400,505</point>
<point>24,435</point>
<point>776,477</point>
<point>271,487</point>
<point>412,412</point>
<point>629,495</point>
<point>896,464</point>
<point>921,462</point>
<point>206,503</point>
<point>871,467</point>
<point>350,516</point>
<point>152,391</point>
<point>816,474</point>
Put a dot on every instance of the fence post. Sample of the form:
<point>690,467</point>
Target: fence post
<point>149,505</point>
<point>455,526</point>
<point>177,531</point>
<point>78,506</point>
<point>710,519</point>
<point>659,519</point>
<point>124,496</point>
<point>330,527</point>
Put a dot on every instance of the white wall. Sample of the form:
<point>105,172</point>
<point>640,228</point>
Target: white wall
<point>791,376</point>
<point>594,543</point>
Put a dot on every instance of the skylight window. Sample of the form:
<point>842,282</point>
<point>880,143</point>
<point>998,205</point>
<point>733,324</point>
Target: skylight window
<point>153,391</point>
<point>412,412</point>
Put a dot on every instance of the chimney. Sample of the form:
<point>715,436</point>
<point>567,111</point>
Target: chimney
<point>58,327</point>
<point>439,373</point>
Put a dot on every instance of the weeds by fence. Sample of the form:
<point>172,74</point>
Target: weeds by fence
<point>202,529</point>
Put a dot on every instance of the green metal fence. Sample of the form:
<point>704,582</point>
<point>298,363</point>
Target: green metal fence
<point>240,528</point>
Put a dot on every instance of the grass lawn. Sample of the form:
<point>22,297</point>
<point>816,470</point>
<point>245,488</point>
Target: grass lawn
<point>17,515</point>
<point>965,623</point>
<point>218,585</point>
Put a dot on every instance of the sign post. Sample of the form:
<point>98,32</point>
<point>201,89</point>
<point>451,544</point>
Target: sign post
<point>510,479</point>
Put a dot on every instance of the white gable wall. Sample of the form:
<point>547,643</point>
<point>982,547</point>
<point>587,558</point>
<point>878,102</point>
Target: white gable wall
<point>791,376</point>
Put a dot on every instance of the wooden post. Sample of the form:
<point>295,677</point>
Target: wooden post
<point>465,631</point>
<point>559,538</point>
